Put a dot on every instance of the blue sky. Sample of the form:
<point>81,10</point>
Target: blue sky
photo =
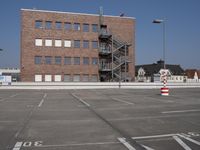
<point>182,27</point>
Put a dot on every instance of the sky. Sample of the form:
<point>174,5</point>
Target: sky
<point>181,20</point>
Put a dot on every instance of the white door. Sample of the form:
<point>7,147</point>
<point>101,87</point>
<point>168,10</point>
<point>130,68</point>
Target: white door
<point>48,78</point>
<point>38,78</point>
<point>57,78</point>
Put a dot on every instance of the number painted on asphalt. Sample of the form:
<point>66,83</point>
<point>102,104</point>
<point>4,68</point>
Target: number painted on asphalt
<point>38,143</point>
<point>29,144</point>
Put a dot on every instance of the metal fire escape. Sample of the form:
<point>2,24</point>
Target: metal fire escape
<point>113,55</point>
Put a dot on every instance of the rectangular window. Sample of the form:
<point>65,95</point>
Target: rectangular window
<point>48,78</point>
<point>58,43</point>
<point>38,24</point>
<point>67,43</point>
<point>38,42</point>
<point>94,78</point>
<point>94,28</point>
<point>76,43</point>
<point>48,42</point>
<point>48,24</point>
<point>67,78</point>
<point>58,60</point>
<point>86,60</point>
<point>48,60</point>
<point>58,25</point>
<point>38,78</point>
<point>94,61</point>
<point>76,60</point>
<point>68,26</point>
<point>57,78</point>
<point>77,27</point>
<point>94,44</point>
<point>85,44</point>
<point>67,61</point>
<point>85,78</point>
<point>85,27</point>
<point>38,60</point>
<point>76,78</point>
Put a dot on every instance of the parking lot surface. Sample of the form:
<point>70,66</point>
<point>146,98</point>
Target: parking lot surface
<point>109,119</point>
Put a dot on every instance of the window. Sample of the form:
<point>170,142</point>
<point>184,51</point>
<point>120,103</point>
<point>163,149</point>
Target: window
<point>38,42</point>
<point>77,44</point>
<point>67,78</point>
<point>57,78</point>
<point>94,44</point>
<point>77,27</point>
<point>58,60</point>
<point>68,26</point>
<point>94,28</point>
<point>76,78</point>
<point>38,59</point>
<point>94,61</point>
<point>85,27</point>
<point>85,60</point>
<point>67,60</point>
<point>58,25</point>
<point>58,43</point>
<point>85,44</point>
<point>38,78</point>
<point>38,24</point>
<point>48,60</point>
<point>94,78</point>
<point>67,43</point>
<point>76,60</point>
<point>48,78</point>
<point>48,42</point>
<point>48,24</point>
<point>85,78</point>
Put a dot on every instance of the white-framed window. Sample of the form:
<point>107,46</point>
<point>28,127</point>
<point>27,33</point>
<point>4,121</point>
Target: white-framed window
<point>85,78</point>
<point>57,78</point>
<point>38,78</point>
<point>67,43</point>
<point>58,43</point>
<point>38,42</point>
<point>48,78</point>
<point>76,78</point>
<point>48,42</point>
<point>67,78</point>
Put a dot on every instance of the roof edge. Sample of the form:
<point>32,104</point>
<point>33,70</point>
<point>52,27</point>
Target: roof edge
<point>62,12</point>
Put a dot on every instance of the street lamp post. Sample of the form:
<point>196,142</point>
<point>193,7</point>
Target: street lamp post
<point>158,21</point>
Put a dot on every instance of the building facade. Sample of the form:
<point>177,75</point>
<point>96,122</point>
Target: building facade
<point>62,46</point>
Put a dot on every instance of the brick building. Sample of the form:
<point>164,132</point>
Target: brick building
<point>63,46</point>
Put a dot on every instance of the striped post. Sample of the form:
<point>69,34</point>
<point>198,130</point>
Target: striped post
<point>164,89</point>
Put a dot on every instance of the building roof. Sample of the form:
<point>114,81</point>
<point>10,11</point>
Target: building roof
<point>154,68</point>
<point>191,72</point>
<point>61,12</point>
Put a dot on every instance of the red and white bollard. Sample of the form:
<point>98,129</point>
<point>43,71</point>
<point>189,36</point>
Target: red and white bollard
<point>164,90</point>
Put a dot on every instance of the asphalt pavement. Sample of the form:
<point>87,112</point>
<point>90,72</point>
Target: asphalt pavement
<point>106,119</point>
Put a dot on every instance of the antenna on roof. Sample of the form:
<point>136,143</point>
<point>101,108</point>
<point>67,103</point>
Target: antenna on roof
<point>100,15</point>
<point>122,15</point>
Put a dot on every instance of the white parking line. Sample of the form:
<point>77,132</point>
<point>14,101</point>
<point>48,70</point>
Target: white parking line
<point>153,136</point>
<point>80,99</point>
<point>185,146</point>
<point>189,139</point>
<point>18,145</point>
<point>123,101</point>
<point>3,99</point>
<point>42,100</point>
<point>126,144</point>
<point>180,111</point>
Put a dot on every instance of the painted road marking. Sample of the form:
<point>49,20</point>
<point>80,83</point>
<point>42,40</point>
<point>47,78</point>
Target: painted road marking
<point>84,102</point>
<point>42,100</point>
<point>153,136</point>
<point>185,146</point>
<point>189,139</point>
<point>180,111</point>
<point>147,148</point>
<point>126,144</point>
<point>123,101</point>
<point>18,145</point>
<point>3,99</point>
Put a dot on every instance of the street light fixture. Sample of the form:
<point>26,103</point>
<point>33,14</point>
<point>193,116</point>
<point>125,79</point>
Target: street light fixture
<point>158,21</point>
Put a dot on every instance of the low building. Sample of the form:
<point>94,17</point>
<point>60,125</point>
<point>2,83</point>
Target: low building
<point>193,75</point>
<point>150,72</point>
<point>13,72</point>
